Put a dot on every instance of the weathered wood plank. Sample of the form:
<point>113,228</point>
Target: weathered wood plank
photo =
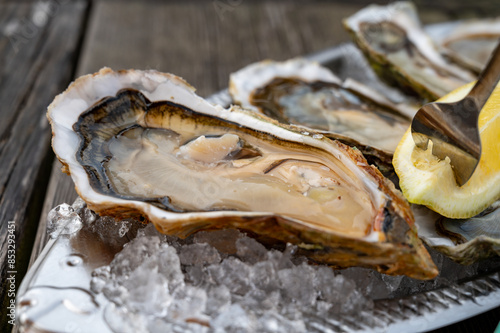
<point>203,44</point>
<point>276,30</point>
<point>32,72</point>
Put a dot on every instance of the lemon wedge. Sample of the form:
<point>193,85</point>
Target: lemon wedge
<point>427,180</point>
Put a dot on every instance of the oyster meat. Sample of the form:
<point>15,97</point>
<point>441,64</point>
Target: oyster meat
<point>143,144</point>
<point>301,92</point>
<point>400,51</point>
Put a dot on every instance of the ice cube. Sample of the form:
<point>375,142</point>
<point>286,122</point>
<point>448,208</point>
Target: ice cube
<point>195,274</point>
<point>322,308</point>
<point>169,266</point>
<point>189,304</point>
<point>354,303</point>
<point>272,322</point>
<point>328,287</point>
<point>232,273</point>
<point>223,240</point>
<point>106,229</point>
<point>200,253</point>
<point>261,301</point>
<point>78,205</point>
<point>249,250</point>
<point>235,319</point>
<point>147,291</point>
<point>297,284</point>
<point>282,260</point>
<point>88,216</point>
<point>265,276</point>
<point>63,220</point>
<point>99,278</point>
<point>219,300</point>
<point>97,284</point>
<point>115,292</point>
<point>133,255</point>
<point>292,311</point>
<point>369,282</point>
<point>119,319</point>
<point>340,292</point>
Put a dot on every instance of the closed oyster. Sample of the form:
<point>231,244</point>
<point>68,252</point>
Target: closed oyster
<point>301,92</point>
<point>401,52</point>
<point>468,43</point>
<point>143,144</point>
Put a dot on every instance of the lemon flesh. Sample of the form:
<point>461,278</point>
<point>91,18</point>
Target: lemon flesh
<point>429,181</point>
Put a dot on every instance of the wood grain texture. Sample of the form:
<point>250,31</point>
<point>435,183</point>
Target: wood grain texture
<point>35,66</point>
<point>204,44</point>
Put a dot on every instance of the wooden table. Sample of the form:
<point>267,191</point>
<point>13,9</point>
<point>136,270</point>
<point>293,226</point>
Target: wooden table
<point>46,44</point>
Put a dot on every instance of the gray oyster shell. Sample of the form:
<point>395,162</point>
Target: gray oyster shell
<point>465,241</point>
<point>401,52</point>
<point>468,43</point>
<point>303,93</point>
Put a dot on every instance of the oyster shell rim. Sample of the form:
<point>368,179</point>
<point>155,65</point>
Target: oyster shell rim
<point>378,14</point>
<point>246,80</point>
<point>412,251</point>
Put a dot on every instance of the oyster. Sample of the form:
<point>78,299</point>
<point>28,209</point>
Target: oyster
<point>401,52</point>
<point>468,43</point>
<point>143,144</point>
<point>463,240</point>
<point>301,92</point>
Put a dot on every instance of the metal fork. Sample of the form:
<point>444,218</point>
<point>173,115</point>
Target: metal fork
<point>453,127</point>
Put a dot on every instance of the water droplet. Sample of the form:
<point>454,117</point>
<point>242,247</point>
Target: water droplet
<point>72,260</point>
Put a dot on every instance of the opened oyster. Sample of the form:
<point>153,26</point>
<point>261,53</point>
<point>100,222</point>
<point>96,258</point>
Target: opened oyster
<point>468,43</point>
<point>301,92</point>
<point>401,52</point>
<point>143,144</point>
<point>463,240</point>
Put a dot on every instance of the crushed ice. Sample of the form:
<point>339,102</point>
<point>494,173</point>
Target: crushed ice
<point>225,281</point>
<point>218,281</point>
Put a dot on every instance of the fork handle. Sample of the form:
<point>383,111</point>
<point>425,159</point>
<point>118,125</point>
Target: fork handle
<point>488,79</point>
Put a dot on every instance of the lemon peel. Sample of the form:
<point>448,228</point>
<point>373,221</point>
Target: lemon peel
<point>426,180</point>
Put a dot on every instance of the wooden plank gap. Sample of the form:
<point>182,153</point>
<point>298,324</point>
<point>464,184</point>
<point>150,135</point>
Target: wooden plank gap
<point>50,72</point>
<point>60,186</point>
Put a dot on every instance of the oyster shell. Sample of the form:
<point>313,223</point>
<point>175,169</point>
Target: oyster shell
<point>468,43</point>
<point>143,144</point>
<point>401,52</point>
<point>463,240</point>
<point>301,92</point>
